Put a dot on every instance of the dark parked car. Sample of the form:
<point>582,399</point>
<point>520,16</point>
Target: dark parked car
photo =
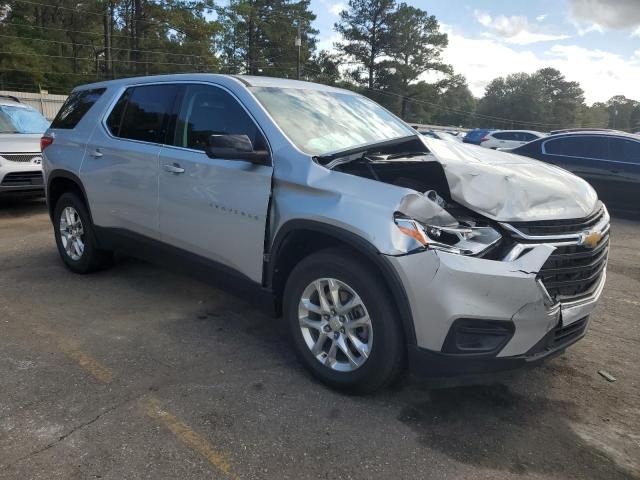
<point>610,162</point>
<point>474,136</point>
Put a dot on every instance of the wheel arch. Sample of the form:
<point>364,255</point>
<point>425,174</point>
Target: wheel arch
<point>60,182</point>
<point>297,239</point>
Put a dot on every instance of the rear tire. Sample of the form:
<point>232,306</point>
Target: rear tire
<point>75,236</point>
<point>358,349</point>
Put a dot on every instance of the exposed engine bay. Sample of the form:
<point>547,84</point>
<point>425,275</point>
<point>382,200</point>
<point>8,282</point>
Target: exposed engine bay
<point>430,216</point>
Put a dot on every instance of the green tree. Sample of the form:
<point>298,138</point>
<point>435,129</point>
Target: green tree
<point>364,25</point>
<point>620,110</point>
<point>258,36</point>
<point>324,67</point>
<point>415,45</point>
<point>58,45</point>
<point>561,99</point>
<point>456,103</point>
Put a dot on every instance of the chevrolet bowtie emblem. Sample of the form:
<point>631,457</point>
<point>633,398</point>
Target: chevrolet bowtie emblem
<point>590,239</point>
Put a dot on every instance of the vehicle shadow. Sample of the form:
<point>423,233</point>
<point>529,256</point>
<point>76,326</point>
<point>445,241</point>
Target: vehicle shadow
<point>502,426</point>
<point>13,207</point>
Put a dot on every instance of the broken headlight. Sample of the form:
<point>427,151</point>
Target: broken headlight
<point>459,239</point>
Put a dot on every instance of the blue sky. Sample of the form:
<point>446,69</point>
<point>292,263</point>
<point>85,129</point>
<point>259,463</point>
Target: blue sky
<point>595,42</point>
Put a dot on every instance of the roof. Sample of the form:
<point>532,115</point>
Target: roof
<point>597,133</point>
<point>519,131</point>
<point>246,80</point>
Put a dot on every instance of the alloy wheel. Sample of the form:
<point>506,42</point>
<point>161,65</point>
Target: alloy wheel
<point>72,233</point>
<point>335,324</point>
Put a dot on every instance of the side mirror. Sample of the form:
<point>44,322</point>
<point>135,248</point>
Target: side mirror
<point>235,147</point>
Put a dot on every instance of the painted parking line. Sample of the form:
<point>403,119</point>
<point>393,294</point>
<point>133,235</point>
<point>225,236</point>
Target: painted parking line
<point>87,362</point>
<point>71,348</point>
<point>151,405</point>
<point>188,436</point>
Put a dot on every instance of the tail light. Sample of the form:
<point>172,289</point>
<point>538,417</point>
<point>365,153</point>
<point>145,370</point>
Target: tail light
<point>45,142</point>
<point>484,139</point>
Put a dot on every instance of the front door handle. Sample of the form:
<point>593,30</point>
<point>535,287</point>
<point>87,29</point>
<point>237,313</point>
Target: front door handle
<point>96,153</point>
<point>174,168</point>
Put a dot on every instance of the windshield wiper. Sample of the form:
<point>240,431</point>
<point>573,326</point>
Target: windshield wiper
<point>9,131</point>
<point>405,155</point>
<point>347,159</point>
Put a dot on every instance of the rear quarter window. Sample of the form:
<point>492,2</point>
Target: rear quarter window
<point>75,107</point>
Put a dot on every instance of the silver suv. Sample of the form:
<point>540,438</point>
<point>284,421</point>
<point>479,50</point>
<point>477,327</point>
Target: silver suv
<point>382,248</point>
<point>21,128</point>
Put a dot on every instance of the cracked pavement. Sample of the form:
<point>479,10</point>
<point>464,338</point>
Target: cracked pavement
<point>141,372</point>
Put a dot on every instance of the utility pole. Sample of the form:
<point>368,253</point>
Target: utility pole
<point>299,45</point>
<point>107,40</point>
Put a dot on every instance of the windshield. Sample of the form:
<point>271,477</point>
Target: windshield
<point>320,122</point>
<point>21,120</point>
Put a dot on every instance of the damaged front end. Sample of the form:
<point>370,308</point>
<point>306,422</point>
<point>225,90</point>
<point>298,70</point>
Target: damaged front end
<point>484,295</point>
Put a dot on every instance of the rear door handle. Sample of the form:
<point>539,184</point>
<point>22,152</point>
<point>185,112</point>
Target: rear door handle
<point>173,168</point>
<point>96,153</point>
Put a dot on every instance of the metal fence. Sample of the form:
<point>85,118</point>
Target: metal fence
<point>45,103</point>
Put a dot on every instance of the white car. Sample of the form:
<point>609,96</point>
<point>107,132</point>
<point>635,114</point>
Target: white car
<point>506,139</point>
<point>21,128</point>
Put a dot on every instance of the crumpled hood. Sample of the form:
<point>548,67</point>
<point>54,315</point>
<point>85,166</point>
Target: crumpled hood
<point>507,187</point>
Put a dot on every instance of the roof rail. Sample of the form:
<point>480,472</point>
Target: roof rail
<point>11,97</point>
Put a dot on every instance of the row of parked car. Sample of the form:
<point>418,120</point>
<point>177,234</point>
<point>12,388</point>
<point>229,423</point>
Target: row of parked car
<point>608,159</point>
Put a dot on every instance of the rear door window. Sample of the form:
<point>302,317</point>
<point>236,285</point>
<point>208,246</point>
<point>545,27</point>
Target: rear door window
<point>75,107</point>
<point>506,136</point>
<point>624,150</point>
<point>584,147</point>
<point>144,113</point>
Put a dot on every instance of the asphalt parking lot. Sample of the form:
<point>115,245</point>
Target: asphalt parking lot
<point>141,372</point>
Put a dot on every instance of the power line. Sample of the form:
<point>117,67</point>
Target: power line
<point>94,46</point>
<point>101,14</point>
<point>452,110</point>
<point>92,59</point>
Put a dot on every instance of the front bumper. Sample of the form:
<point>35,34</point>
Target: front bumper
<point>444,288</point>
<point>20,178</point>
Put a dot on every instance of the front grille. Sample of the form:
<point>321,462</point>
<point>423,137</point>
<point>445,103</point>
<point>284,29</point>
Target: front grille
<point>572,272</point>
<point>20,157</point>
<point>560,227</point>
<point>22,179</point>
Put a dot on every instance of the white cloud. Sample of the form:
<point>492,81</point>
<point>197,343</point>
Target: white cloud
<point>514,29</point>
<point>636,32</point>
<point>584,30</point>
<point>540,18</point>
<point>328,43</point>
<point>601,74</point>
<point>336,8</point>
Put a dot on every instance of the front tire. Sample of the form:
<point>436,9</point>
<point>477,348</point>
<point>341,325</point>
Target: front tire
<point>343,325</point>
<point>75,236</point>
